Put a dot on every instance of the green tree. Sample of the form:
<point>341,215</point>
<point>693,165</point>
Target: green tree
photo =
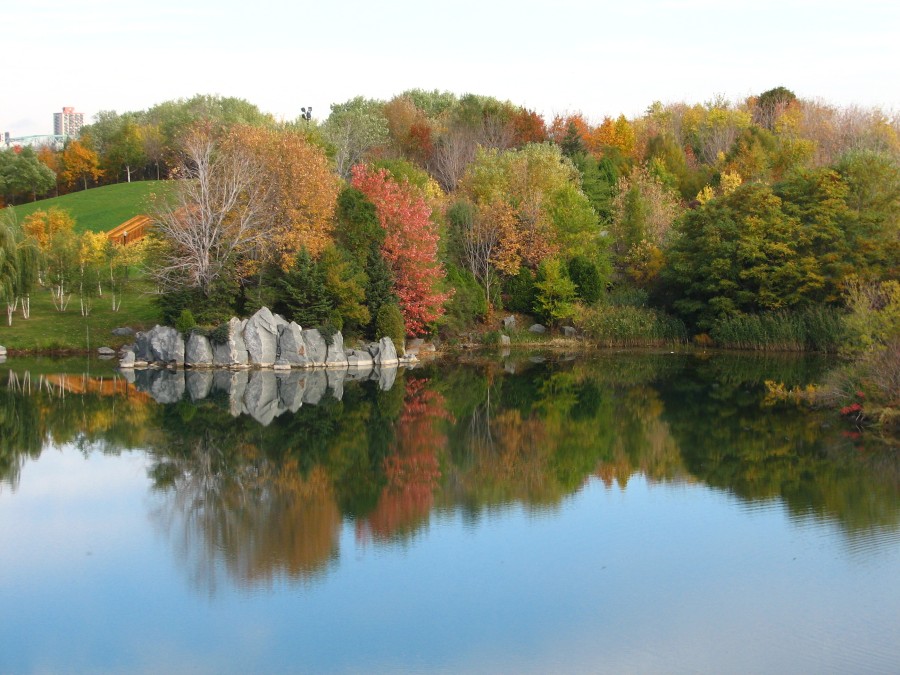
<point>305,292</point>
<point>554,292</point>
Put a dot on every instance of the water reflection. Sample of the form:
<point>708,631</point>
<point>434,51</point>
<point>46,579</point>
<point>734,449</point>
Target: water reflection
<point>255,472</point>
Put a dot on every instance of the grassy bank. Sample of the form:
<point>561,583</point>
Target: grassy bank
<point>50,331</point>
<point>100,209</point>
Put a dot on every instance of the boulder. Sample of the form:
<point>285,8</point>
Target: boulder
<point>568,331</point>
<point>413,346</point>
<point>232,352</point>
<point>537,328</point>
<point>123,332</point>
<point>163,345</point>
<point>127,360</point>
<point>2,350</point>
<point>509,322</point>
<point>261,337</point>
<point>291,347</point>
<point>504,340</point>
<point>335,356</point>
<point>357,359</point>
<point>316,349</point>
<point>198,351</point>
<point>387,353</point>
<point>106,351</point>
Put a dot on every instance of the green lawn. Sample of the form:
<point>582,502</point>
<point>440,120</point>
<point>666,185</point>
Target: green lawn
<point>103,208</point>
<point>49,330</point>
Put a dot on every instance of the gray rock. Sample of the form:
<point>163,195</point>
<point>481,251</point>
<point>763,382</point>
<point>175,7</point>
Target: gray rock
<point>198,383</point>
<point>537,328</point>
<point>509,322</point>
<point>387,353</point>
<point>358,359</point>
<point>142,347</point>
<point>316,349</point>
<point>335,357</point>
<point>504,340</point>
<point>166,345</point>
<point>123,332</point>
<point>232,352</point>
<point>2,350</point>
<point>127,360</point>
<point>106,351</point>
<point>414,345</point>
<point>198,351</point>
<point>261,337</point>
<point>291,347</point>
<point>569,331</point>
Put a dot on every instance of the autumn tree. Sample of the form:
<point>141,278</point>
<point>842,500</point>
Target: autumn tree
<point>80,164</point>
<point>52,232</point>
<point>353,129</point>
<point>410,245</point>
<point>301,191</point>
<point>215,214</point>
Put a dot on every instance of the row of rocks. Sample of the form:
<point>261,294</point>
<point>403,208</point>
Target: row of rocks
<point>509,323</point>
<point>262,394</point>
<point>265,340</point>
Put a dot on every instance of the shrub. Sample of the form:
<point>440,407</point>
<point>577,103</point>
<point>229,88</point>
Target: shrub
<point>519,291</point>
<point>467,304</point>
<point>389,323</point>
<point>185,322</point>
<point>589,283</point>
<point>554,293</point>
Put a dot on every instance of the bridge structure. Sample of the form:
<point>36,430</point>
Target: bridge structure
<point>132,230</point>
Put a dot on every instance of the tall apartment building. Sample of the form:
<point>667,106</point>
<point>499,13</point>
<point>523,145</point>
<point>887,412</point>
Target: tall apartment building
<point>68,122</point>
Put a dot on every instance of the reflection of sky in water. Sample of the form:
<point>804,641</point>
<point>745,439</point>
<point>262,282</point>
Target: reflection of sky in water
<point>654,578</point>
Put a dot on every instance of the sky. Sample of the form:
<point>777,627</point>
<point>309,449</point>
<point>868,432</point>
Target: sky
<point>590,56</point>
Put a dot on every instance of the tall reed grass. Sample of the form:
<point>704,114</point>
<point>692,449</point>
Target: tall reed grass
<point>817,329</point>
<point>628,326</point>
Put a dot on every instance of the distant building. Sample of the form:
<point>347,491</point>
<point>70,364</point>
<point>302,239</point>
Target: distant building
<point>56,142</point>
<point>68,123</point>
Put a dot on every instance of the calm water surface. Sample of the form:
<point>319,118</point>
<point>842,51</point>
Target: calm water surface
<point>621,514</point>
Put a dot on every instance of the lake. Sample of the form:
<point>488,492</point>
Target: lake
<point>619,513</point>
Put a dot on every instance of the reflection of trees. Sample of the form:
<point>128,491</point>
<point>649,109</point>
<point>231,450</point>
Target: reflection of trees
<point>412,467</point>
<point>730,441</point>
<point>257,519</point>
<point>90,412</point>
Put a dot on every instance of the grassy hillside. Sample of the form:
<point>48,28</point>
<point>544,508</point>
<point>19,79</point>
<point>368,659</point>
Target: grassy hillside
<point>100,209</point>
<point>49,330</point>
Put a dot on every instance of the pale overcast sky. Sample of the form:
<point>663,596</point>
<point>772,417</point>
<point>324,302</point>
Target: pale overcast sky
<point>597,57</point>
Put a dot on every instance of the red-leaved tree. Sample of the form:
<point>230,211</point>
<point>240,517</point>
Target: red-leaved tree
<point>410,246</point>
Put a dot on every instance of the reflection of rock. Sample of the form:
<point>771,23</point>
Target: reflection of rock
<point>385,375</point>
<point>261,397</point>
<point>290,390</point>
<point>336,382</point>
<point>166,386</point>
<point>360,373</point>
<point>198,351</point>
<point>198,384</point>
<point>232,384</point>
<point>261,337</point>
<point>233,352</point>
<point>315,383</point>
